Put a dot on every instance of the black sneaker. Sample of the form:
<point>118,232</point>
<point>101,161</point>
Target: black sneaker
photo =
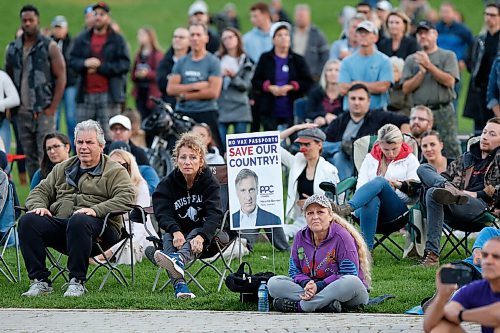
<point>149,252</point>
<point>285,305</point>
<point>333,307</point>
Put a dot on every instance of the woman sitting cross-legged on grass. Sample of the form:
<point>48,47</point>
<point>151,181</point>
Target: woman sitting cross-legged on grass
<point>329,264</point>
<point>187,207</point>
<point>383,183</point>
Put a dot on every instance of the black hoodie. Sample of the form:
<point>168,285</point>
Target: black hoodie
<point>178,208</point>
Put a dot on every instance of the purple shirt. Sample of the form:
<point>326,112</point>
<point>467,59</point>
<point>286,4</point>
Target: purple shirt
<point>282,107</point>
<point>337,255</point>
<point>475,295</point>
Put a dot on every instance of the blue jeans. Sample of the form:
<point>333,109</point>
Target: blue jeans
<point>376,201</point>
<point>333,153</point>
<point>69,101</point>
<point>437,212</point>
<point>5,134</point>
<point>239,127</point>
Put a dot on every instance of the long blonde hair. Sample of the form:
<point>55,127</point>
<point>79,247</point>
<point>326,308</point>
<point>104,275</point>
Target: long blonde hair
<point>363,253</point>
<point>389,134</point>
<point>133,168</point>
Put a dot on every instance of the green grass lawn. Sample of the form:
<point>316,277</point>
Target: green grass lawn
<point>409,284</point>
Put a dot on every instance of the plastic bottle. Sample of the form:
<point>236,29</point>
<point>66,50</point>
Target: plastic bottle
<point>263,294</point>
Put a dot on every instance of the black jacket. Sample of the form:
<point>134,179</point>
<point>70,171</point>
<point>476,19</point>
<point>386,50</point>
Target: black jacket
<point>67,45</point>
<point>178,208</point>
<point>115,64</point>
<point>265,71</point>
<point>373,121</point>
<point>162,72</point>
<point>314,107</point>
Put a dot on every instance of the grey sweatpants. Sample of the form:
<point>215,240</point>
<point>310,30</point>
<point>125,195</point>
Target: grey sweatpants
<point>348,290</point>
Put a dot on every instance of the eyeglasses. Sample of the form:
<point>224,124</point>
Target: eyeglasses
<point>418,119</point>
<point>125,165</point>
<point>491,14</point>
<point>179,37</point>
<point>54,147</point>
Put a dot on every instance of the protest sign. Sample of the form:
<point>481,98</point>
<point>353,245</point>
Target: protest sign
<point>254,180</point>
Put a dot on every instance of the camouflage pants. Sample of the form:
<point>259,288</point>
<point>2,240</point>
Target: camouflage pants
<point>445,122</point>
<point>32,130</point>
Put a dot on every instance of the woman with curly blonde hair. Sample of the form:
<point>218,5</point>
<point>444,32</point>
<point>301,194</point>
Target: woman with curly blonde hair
<point>187,207</point>
<point>329,264</point>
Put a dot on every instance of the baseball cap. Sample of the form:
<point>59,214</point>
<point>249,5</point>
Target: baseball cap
<point>59,21</point>
<point>427,25</point>
<point>104,6</point>
<point>384,5</point>
<point>277,26</point>
<point>122,120</point>
<point>88,9</point>
<point>368,26</point>
<point>317,199</point>
<point>198,7</point>
<point>309,134</point>
<point>118,145</point>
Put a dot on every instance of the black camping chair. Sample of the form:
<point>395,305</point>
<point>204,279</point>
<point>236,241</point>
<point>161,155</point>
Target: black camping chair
<point>222,241</point>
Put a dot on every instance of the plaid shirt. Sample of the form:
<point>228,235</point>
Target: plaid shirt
<point>460,171</point>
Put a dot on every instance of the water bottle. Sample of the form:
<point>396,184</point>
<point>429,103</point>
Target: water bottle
<point>263,297</point>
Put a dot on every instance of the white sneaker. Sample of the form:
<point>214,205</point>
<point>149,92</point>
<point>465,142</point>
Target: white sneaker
<point>38,288</point>
<point>75,288</point>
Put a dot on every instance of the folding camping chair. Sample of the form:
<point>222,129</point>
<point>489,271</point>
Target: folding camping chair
<point>361,147</point>
<point>8,230</point>
<point>110,264</point>
<point>222,241</point>
<point>486,219</point>
<point>58,269</point>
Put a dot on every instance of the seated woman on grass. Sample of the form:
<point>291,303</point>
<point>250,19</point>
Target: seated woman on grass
<point>383,180</point>
<point>329,264</point>
<point>187,207</point>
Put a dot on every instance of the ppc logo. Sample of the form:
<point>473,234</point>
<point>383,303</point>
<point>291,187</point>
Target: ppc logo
<point>266,189</point>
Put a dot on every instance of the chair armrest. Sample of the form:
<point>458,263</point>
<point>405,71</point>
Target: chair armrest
<point>346,184</point>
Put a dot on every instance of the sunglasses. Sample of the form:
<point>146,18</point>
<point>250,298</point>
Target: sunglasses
<point>125,165</point>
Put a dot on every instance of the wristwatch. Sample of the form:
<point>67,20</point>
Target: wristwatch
<point>460,319</point>
<point>182,97</point>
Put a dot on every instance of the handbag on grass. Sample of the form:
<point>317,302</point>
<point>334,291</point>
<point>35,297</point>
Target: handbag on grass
<point>244,282</point>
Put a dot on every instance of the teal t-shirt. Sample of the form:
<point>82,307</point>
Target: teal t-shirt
<point>197,71</point>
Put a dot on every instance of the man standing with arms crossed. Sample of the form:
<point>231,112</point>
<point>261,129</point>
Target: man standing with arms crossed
<point>196,81</point>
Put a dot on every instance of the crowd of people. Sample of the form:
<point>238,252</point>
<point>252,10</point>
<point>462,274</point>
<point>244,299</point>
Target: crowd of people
<point>393,73</point>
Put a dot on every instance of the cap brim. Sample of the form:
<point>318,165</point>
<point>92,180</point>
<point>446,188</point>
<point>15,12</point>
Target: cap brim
<point>303,139</point>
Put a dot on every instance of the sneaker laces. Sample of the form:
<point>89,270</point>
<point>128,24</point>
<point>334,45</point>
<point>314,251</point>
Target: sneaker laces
<point>74,283</point>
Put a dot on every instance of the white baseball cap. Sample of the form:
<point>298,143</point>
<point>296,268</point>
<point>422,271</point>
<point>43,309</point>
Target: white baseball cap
<point>122,120</point>
<point>278,25</point>
<point>368,26</point>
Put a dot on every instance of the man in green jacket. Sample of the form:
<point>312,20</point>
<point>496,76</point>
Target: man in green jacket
<point>67,210</point>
